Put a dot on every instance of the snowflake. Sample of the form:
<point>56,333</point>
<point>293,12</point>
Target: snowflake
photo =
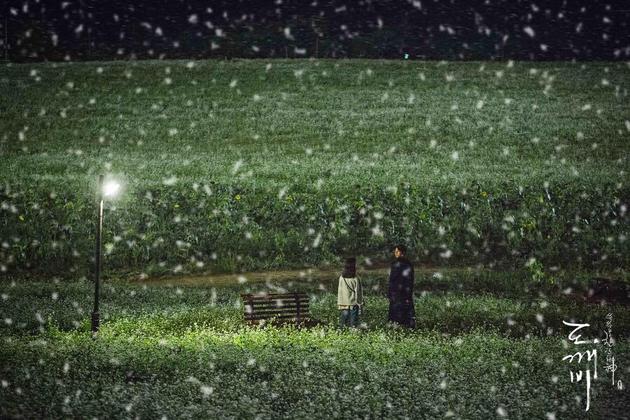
<point>237,166</point>
<point>170,181</point>
<point>446,254</point>
<point>287,33</point>
<point>529,31</point>
<point>317,240</point>
<point>376,231</point>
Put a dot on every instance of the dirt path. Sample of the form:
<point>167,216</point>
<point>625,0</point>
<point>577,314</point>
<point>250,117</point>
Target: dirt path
<point>260,276</point>
<point>308,274</point>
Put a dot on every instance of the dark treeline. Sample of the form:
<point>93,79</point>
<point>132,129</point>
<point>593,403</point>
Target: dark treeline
<point>36,30</point>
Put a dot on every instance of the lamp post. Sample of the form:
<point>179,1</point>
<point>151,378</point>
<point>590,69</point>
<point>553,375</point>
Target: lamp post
<point>104,190</point>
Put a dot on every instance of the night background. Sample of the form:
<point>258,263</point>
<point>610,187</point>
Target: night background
<point>182,184</point>
<point>468,30</point>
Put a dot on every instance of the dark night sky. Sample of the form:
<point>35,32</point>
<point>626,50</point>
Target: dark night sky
<point>91,29</point>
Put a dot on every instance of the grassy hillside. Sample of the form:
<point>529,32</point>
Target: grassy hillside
<point>250,164</point>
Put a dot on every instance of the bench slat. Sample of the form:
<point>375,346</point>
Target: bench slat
<point>278,320</point>
<point>272,309</point>
<point>276,304</point>
<point>276,296</point>
<point>285,304</point>
<point>276,301</point>
<point>278,317</point>
<point>283,307</point>
<point>272,313</point>
<point>265,299</point>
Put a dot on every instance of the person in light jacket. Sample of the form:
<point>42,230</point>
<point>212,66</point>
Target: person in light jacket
<point>349,295</point>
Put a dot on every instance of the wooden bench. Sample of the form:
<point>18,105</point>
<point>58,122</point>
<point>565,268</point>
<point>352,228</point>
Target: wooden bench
<point>277,309</point>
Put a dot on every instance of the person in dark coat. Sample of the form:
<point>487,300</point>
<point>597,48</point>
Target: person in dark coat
<point>400,290</point>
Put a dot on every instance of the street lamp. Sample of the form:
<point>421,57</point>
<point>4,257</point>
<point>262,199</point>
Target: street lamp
<point>108,189</point>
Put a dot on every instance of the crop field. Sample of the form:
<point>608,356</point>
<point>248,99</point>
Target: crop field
<point>255,164</point>
<point>489,344</point>
<point>508,181</point>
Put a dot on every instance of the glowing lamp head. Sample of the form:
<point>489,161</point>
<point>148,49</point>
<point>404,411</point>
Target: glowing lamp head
<point>110,189</point>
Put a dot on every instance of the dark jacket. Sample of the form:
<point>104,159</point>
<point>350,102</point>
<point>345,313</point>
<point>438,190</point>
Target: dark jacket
<point>401,281</point>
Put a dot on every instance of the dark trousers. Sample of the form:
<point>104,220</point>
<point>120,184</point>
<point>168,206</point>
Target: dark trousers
<point>349,317</point>
<point>402,313</point>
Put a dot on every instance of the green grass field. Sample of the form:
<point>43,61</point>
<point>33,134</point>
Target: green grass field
<point>243,165</point>
<point>155,120</point>
<point>488,344</point>
<point>251,164</point>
